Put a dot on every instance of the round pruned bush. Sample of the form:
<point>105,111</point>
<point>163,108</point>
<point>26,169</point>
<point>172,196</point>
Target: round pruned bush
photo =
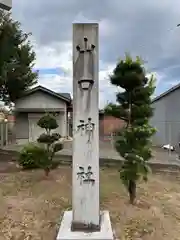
<point>50,142</point>
<point>48,139</point>
<point>47,122</point>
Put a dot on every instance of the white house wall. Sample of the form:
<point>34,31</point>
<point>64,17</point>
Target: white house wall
<point>173,117</point>
<point>159,122</point>
<point>35,130</point>
<point>167,119</point>
<point>39,100</point>
<point>34,106</point>
<point>27,129</point>
<point>22,128</point>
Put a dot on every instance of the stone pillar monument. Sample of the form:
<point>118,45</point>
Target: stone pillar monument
<point>85,221</point>
<point>86,133</point>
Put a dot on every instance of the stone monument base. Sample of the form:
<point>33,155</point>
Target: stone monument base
<point>65,232</point>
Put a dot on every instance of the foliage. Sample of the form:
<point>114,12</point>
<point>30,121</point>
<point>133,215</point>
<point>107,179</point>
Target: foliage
<point>47,122</point>
<point>50,140</point>
<point>31,156</point>
<point>16,60</point>
<point>134,107</point>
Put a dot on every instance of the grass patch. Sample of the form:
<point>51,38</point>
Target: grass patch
<point>31,205</point>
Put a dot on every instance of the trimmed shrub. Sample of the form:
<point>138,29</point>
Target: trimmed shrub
<point>50,140</point>
<point>31,156</point>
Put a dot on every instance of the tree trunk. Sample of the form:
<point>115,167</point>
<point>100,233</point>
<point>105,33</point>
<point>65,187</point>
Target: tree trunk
<point>132,191</point>
<point>46,172</point>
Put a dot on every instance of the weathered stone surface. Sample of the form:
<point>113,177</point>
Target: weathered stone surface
<point>86,129</point>
<point>105,232</point>
<point>85,220</point>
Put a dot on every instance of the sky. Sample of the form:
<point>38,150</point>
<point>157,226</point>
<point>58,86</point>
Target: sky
<point>144,28</point>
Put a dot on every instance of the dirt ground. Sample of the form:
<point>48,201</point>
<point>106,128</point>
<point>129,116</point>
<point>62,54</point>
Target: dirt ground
<point>31,205</point>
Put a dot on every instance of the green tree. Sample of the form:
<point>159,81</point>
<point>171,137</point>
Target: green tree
<point>16,60</point>
<point>133,141</point>
<point>50,140</point>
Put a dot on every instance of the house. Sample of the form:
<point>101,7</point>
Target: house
<point>166,117</point>
<point>33,105</point>
<point>39,100</point>
<point>108,125</point>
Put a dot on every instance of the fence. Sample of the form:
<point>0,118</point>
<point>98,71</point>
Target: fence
<point>7,133</point>
<point>168,133</point>
<point>167,139</point>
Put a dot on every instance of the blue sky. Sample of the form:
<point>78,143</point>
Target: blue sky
<point>144,28</point>
<point>60,72</point>
<point>49,71</point>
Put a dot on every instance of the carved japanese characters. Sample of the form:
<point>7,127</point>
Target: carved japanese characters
<point>85,177</point>
<point>86,128</point>
<point>86,61</point>
<point>85,71</point>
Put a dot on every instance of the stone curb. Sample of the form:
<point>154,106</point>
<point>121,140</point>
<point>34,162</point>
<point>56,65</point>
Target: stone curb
<point>66,159</point>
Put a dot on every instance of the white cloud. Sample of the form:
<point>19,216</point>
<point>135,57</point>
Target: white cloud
<point>106,27</point>
<point>54,81</point>
<point>121,29</point>
<point>60,56</point>
<point>172,83</point>
<point>55,56</point>
<point>158,76</point>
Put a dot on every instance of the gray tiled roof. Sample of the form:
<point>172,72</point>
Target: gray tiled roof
<point>66,95</point>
